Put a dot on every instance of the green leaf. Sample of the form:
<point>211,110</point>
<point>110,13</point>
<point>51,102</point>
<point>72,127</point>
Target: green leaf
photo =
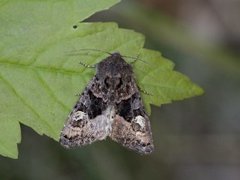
<point>162,84</point>
<point>39,64</point>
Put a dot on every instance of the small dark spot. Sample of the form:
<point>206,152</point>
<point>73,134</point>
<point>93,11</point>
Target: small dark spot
<point>65,136</point>
<point>71,138</point>
<point>107,82</point>
<point>119,83</point>
<point>75,26</point>
<point>136,127</point>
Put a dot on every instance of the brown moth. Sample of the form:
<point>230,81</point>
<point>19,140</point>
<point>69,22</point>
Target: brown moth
<point>110,106</point>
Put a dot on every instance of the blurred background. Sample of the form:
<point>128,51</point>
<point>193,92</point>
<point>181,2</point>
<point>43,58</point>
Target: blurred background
<point>195,139</point>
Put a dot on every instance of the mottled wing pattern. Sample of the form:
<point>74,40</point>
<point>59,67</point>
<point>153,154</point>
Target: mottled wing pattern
<point>131,126</point>
<point>88,121</point>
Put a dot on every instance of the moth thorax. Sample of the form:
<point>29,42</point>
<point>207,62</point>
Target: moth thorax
<point>110,114</point>
<point>113,83</point>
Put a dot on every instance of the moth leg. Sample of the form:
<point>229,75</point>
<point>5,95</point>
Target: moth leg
<point>144,91</point>
<point>87,65</point>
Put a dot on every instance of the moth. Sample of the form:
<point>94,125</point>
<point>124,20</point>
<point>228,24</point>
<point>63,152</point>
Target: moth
<point>110,106</point>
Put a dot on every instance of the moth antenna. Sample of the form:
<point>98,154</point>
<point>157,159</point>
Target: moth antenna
<point>136,59</point>
<point>83,64</point>
<point>98,50</point>
<point>88,49</point>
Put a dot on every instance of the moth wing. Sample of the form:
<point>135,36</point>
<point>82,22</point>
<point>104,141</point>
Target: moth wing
<point>83,131</point>
<point>87,122</point>
<point>131,126</point>
<point>133,135</point>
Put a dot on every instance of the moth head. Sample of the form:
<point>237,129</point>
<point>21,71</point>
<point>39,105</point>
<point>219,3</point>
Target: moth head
<point>113,67</point>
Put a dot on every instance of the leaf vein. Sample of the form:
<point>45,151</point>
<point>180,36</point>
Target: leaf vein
<point>47,87</point>
<point>26,104</point>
